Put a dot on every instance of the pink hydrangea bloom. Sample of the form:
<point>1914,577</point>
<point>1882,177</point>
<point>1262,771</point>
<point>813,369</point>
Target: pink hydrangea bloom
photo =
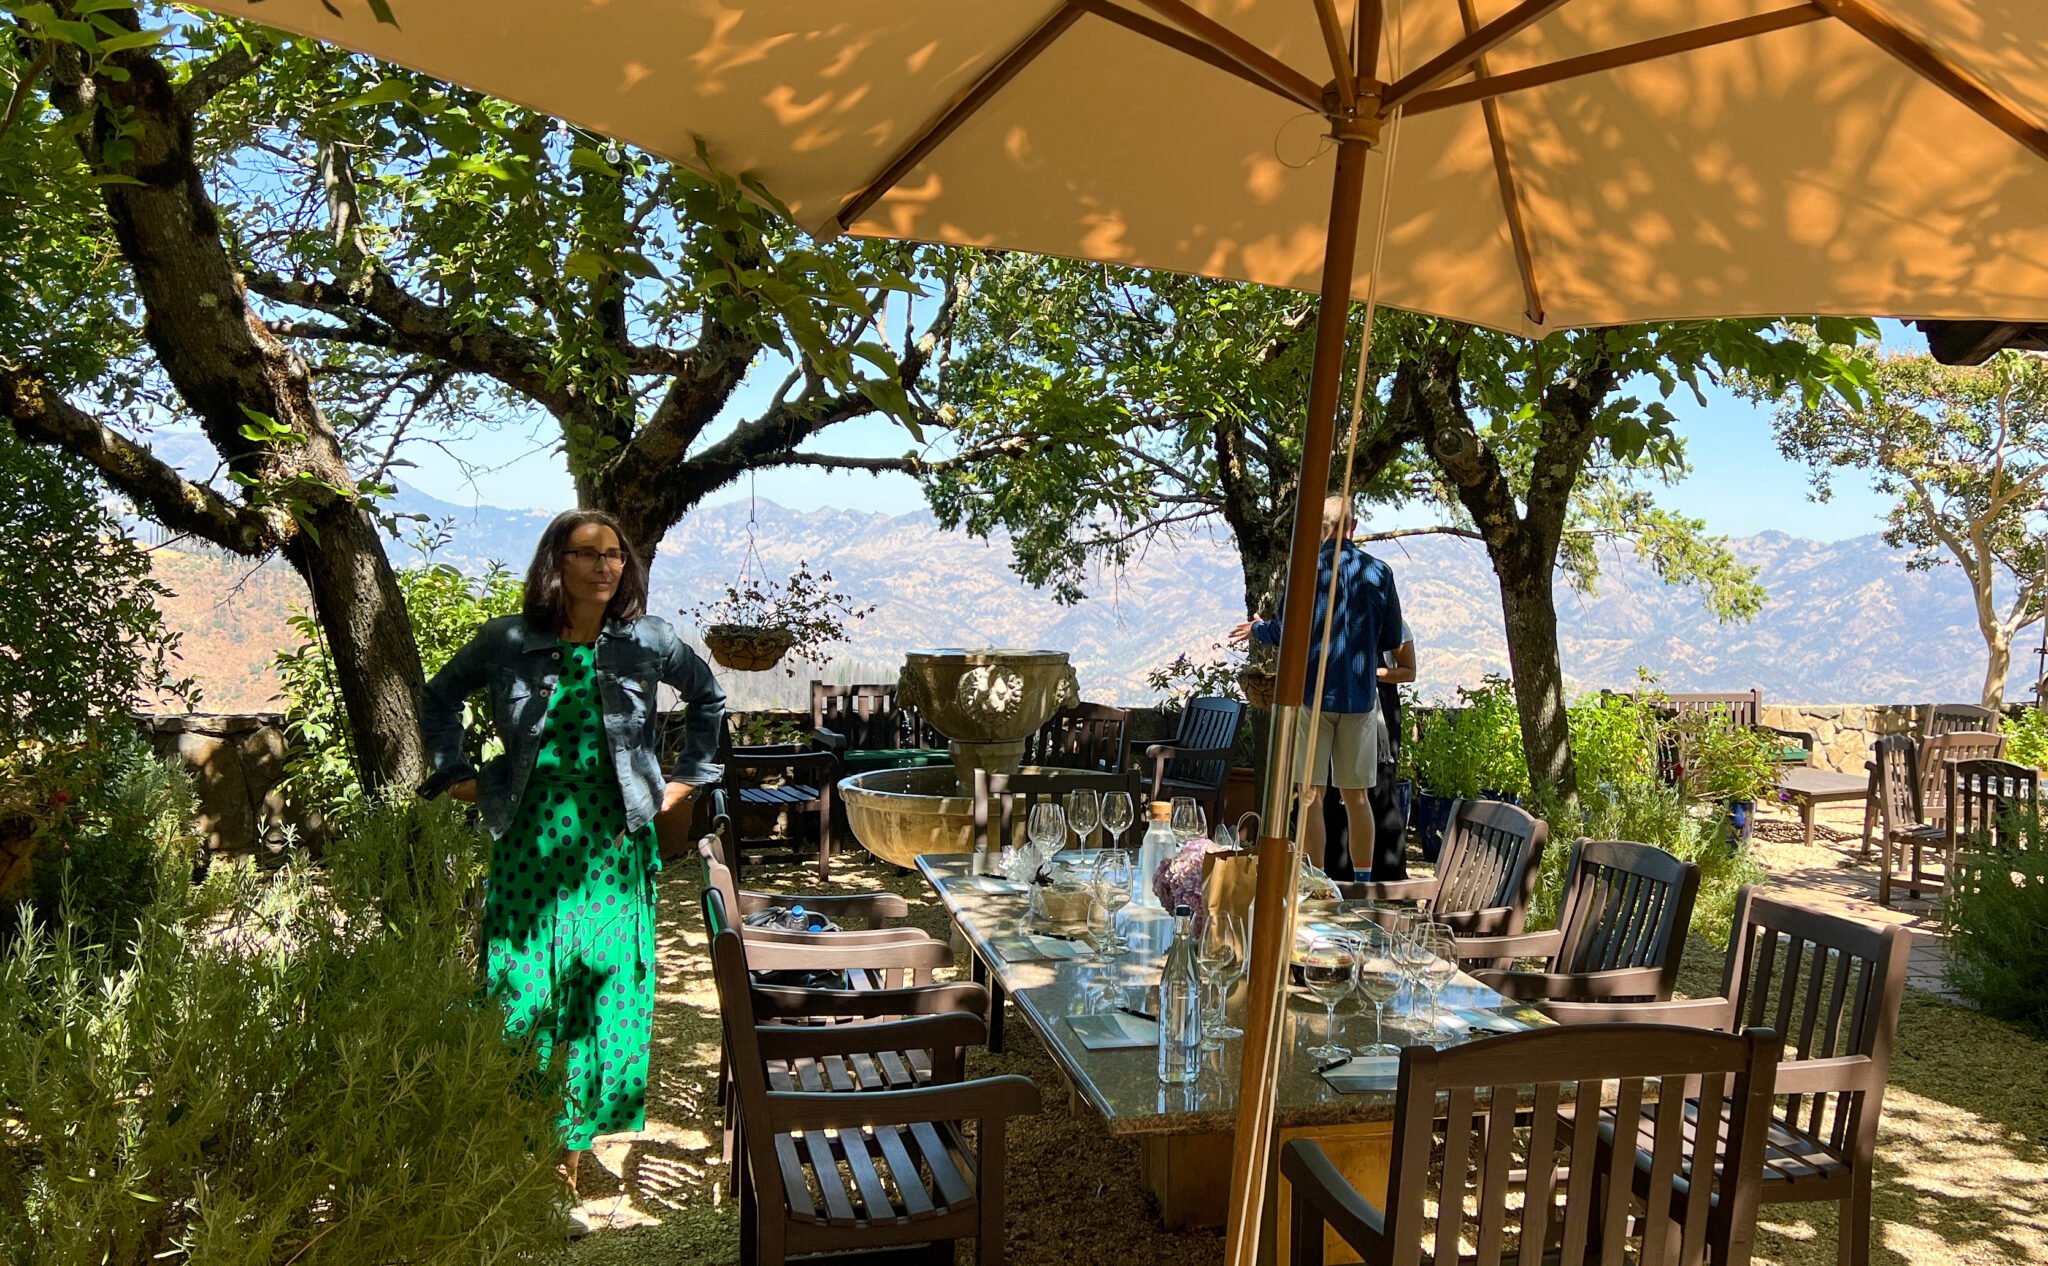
<point>1179,881</point>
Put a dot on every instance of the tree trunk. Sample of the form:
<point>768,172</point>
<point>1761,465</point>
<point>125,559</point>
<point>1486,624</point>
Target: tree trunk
<point>1997,667</point>
<point>1529,608</point>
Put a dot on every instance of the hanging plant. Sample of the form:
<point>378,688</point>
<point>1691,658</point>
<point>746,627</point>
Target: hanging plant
<point>760,621</point>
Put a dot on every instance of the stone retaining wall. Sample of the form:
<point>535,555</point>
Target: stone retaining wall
<point>1843,732</point>
<point>236,762</point>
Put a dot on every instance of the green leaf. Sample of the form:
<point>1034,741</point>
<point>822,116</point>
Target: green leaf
<point>383,93</point>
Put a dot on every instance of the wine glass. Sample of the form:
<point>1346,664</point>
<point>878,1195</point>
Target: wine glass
<point>1118,814</point>
<point>1111,880</point>
<point>1441,967</point>
<point>1188,822</point>
<point>1046,828</point>
<point>1379,979</point>
<point>1084,810</point>
<point>1330,970</point>
<point>1411,955</point>
<point>1220,956</point>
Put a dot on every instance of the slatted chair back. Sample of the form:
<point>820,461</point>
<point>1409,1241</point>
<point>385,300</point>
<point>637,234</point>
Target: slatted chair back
<point>1626,906</point>
<point>1003,802</point>
<point>1941,751</point>
<point>1475,1181</point>
<point>1982,794</point>
<point>1207,724</point>
<point>1090,736</point>
<point>844,1147</point>
<point>1831,987</point>
<point>1896,762</point>
<point>1487,872</point>
<point>775,779</point>
<point>1958,718</point>
<point>868,717</point>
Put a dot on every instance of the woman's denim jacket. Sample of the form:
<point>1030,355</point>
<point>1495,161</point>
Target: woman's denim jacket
<point>521,665</point>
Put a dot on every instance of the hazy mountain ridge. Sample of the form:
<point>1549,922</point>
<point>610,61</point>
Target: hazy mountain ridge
<point>1845,620</point>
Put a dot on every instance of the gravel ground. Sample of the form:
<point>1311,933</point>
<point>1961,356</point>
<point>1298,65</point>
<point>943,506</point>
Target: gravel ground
<point>1963,1153</point>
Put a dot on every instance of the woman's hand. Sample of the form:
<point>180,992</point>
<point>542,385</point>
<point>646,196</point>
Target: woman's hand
<point>464,791</point>
<point>675,796</point>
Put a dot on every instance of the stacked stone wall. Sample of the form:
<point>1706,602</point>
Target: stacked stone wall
<point>1843,732</point>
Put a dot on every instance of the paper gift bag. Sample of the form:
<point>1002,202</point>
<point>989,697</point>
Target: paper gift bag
<point>1229,882</point>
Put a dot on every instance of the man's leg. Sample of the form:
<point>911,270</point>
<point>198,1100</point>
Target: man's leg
<point>1358,812</point>
<point>1313,837</point>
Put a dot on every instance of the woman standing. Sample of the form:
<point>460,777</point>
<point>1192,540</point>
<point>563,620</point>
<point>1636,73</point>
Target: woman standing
<point>568,919</point>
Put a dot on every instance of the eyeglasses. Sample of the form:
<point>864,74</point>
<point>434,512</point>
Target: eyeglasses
<point>597,557</point>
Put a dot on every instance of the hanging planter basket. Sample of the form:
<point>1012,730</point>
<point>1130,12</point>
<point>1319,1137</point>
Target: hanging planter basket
<point>1257,684</point>
<point>747,649</point>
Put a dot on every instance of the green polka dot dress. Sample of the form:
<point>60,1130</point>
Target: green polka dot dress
<point>568,918</point>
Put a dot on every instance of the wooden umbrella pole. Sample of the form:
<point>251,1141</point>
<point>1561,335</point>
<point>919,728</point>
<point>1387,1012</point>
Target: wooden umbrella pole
<point>1251,1151</point>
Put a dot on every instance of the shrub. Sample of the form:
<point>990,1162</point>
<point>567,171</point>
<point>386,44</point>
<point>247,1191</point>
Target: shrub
<point>108,826</point>
<point>1996,918</point>
<point>1614,742</point>
<point>80,633</point>
<point>445,607</point>
<point>2026,737</point>
<point>1474,747</point>
<point>278,1074</point>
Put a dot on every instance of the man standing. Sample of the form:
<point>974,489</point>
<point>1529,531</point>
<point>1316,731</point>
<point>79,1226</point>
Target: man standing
<point>1366,625</point>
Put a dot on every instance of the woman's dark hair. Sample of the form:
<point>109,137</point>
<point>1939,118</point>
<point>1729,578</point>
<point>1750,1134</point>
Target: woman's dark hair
<point>547,607</point>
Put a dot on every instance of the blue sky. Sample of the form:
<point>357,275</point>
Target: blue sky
<point>1740,485</point>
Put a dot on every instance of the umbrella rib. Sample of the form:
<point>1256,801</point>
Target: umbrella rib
<point>1228,42</point>
<point>1510,193</point>
<point>1458,58</point>
<point>1939,71</point>
<point>1180,41</point>
<point>1619,56</point>
<point>1340,53</point>
<point>997,78</point>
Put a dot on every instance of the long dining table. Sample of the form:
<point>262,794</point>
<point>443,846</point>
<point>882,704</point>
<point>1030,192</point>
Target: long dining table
<point>1185,1131</point>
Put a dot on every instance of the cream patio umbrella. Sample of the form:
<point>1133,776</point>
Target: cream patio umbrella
<point>1563,163</point>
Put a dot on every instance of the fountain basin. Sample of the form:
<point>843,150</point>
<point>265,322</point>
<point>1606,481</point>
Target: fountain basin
<point>898,813</point>
<point>987,700</point>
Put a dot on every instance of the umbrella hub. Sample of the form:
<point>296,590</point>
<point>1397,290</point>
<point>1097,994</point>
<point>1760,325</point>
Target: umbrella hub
<point>1361,126</point>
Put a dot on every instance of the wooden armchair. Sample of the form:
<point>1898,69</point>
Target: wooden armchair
<point>865,727</point>
<point>1958,718</point>
<point>1485,876</point>
<point>1197,762</point>
<point>1904,833</point>
<point>1831,987</point>
<point>881,1161</point>
<point>1090,736</point>
<point>1619,935</point>
<point>1983,796</point>
<point>777,779</point>
<point>1463,1174</point>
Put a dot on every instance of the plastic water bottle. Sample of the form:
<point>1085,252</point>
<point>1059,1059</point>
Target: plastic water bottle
<point>1159,844</point>
<point>1180,1005</point>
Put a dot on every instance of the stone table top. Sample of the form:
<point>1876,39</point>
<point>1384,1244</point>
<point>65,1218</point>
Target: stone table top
<point>1123,1085</point>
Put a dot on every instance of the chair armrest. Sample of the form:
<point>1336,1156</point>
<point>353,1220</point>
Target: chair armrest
<point>873,906</point>
<point>1388,890</point>
<point>1698,1013</point>
<point>947,1030</point>
<point>1806,738</point>
<point>983,1099</point>
<point>1472,924</point>
<point>1518,945</point>
<point>1318,1183</point>
<point>818,952</point>
<point>787,1002</point>
<point>830,740</point>
<point>848,939</point>
<point>1837,1073</point>
<point>1536,986</point>
<point>1170,751</point>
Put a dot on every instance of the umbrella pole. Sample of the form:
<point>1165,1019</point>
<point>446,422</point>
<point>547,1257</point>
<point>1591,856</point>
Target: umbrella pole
<point>1273,926</point>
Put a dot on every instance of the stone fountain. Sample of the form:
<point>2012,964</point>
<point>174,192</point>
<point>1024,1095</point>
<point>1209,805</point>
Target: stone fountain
<point>986,702</point>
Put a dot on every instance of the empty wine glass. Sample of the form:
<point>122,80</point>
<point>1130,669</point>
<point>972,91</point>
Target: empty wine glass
<point>1046,828</point>
<point>1188,822</point>
<point>1330,970</point>
<point>1220,956</point>
<point>1111,880</point>
<point>1379,979</point>
<point>1118,813</point>
<point>1084,810</point>
<point>1440,969</point>
<point>1411,956</point>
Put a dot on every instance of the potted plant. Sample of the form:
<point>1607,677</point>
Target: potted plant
<point>1726,764</point>
<point>758,622</point>
<point>1444,764</point>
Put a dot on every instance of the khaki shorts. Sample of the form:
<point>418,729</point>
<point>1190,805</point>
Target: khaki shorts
<point>1347,749</point>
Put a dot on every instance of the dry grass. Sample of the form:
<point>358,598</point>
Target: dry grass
<point>1963,1155</point>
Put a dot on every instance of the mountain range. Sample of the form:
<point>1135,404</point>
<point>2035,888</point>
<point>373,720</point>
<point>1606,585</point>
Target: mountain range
<point>1845,621</point>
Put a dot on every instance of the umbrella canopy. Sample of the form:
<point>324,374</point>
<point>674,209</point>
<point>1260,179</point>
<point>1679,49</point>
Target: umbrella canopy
<point>1564,163</point>
<point>1643,159</point>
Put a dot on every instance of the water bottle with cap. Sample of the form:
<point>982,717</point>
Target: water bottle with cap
<point>1160,845</point>
<point>1180,1005</point>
